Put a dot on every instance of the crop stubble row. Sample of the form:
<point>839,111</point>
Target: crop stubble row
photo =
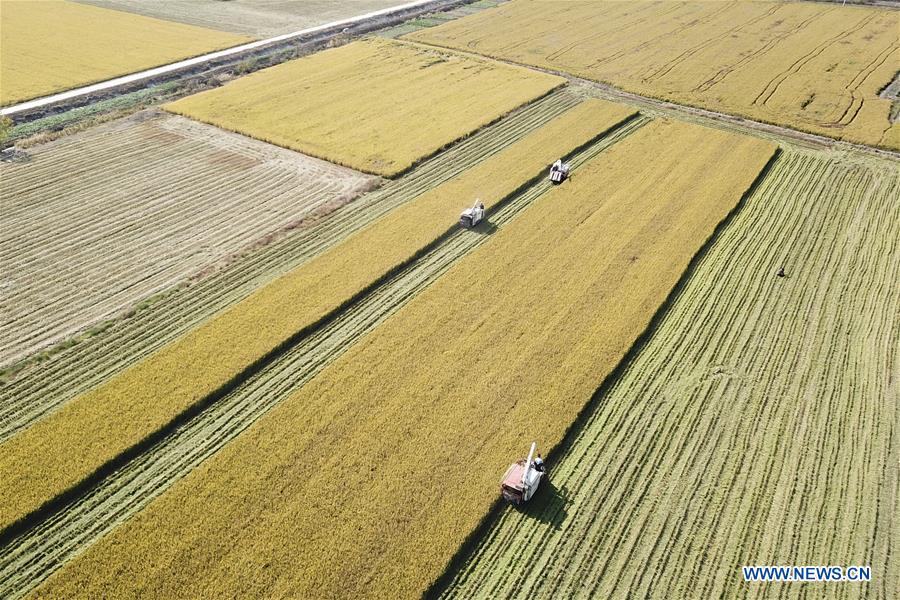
<point>757,426</point>
<point>57,453</point>
<point>32,557</point>
<point>44,386</point>
<point>97,221</point>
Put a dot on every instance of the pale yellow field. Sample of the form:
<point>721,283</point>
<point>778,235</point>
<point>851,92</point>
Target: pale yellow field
<point>374,105</point>
<point>367,479</point>
<point>61,450</point>
<point>49,46</point>
<point>811,66</point>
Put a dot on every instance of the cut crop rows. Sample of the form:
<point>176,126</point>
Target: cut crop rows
<point>343,489</point>
<point>31,557</point>
<point>71,371</point>
<point>757,426</point>
<point>95,222</point>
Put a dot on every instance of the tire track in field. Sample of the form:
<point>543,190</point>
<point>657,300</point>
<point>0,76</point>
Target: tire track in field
<point>772,86</point>
<point>662,37</point>
<point>30,558</point>
<point>663,69</point>
<point>44,386</point>
<point>759,409</point>
<point>724,72</point>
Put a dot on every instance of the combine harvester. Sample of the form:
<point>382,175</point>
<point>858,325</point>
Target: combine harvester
<point>559,172</point>
<point>472,216</point>
<point>522,478</point>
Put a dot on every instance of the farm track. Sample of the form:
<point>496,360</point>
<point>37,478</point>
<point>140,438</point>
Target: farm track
<point>44,386</point>
<point>662,493</point>
<point>31,557</point>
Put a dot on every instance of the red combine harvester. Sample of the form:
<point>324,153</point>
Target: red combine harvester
<point>522,478</point>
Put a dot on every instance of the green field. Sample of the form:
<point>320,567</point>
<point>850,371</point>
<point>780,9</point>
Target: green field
<point>758,426</point>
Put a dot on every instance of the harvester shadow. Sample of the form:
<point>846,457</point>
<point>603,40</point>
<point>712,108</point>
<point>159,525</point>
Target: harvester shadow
<point>559,452</point>
<point>485,228</point>
<point>548,505</point>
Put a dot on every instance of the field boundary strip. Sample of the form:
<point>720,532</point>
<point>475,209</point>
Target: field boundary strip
<point>746,125</point>
<point>236,51</point>
<point>35,553</point>
<point>187,401</point>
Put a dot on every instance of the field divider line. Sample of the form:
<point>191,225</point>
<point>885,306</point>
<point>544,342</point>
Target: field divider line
<point>30,551</point>
<point>554,455</point>
<point>304,246</point>
<point>746,125</point>
<point>333,28</point>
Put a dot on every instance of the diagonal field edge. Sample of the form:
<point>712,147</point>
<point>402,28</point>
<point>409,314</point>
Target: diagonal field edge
<point>58,502</point>
<point>34,556</point>
<point>554,454</point>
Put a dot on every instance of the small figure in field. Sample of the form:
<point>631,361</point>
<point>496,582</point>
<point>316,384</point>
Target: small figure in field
<point>781,272</point>
<point>539,464</point>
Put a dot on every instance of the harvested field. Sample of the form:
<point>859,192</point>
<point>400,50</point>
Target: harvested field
<point>256,18</point>
<point>98,221</point>
<point>74,369</point>
<point>814,67</point>
<point>335,506</point>
<point>51,46</point>
<point>108,420</point>
<point>376,105</point>
<point>759,424</point>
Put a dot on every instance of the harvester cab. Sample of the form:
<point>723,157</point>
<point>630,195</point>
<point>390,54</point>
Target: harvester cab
<point>522,478</point>
<point>472,216</point>
<point>559,172</point>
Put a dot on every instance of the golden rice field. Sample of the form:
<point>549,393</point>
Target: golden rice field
<point>50,46</point>
<point>816,67</point>
<point>758,426</point>
<point>368,478</point>
<point>376,105</point>
<point>59,451</point>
